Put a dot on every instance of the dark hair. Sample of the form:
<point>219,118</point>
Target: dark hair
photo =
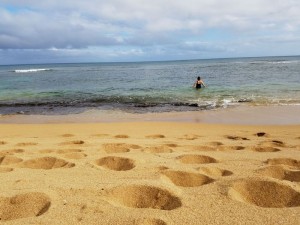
<point>198,78</point>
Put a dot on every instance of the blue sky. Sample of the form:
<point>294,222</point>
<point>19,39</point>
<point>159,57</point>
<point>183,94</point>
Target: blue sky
<point>49,31</point>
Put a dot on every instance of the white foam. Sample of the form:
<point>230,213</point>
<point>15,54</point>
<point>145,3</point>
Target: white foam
<point>31,70</point>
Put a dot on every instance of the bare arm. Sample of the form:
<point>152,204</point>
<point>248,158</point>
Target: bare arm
<point>203,83</point>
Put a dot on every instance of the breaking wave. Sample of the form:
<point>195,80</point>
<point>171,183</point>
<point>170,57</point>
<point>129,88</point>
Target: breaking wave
<point>31,70</point>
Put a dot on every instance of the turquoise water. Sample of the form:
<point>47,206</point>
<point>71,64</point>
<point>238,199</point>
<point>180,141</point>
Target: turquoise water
<point>149,86</point>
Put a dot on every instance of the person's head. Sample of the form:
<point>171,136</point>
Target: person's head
<point>198,78</point>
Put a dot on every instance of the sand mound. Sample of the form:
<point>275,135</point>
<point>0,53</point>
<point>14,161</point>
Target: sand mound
<point>141,196</point>
<point>284,161</point>
<point>158,149</point>
<point>23,205</point>
<point>155,136</point>
<point>264,194</point>
<point>199,159</point>
<point>148,221</point>
<point>215,172</point>
<point>265,149</point>
<point>116,163</point>
<point>7,160</point>
<point>280,173</point>
<point>47,163</point>
<point>5,170</point>
<point>186,179</point>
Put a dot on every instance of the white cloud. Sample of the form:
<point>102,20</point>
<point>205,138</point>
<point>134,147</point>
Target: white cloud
<point>156,26</point>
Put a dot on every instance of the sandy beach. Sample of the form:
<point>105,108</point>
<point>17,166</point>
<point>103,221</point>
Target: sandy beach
<point>149,173</point>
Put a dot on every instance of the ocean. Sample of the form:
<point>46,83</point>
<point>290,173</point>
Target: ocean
<point>141,87</point>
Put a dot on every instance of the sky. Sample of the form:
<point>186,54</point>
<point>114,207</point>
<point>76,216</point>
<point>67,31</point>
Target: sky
<point>63,31</point>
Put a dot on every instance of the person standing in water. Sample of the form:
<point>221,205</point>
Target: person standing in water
<point>198,84</point>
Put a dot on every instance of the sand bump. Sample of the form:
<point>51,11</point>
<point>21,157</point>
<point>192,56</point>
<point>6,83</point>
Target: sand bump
<point>186,179</point>
<point>47,163</point>
<point>23,205</point>
<point>116,163</point>
<point>266,194</point>
<point>280,173</point>
<point>197,159</point>
<point>284,161</point>
<point>142,196</point>
<point>215,172</point>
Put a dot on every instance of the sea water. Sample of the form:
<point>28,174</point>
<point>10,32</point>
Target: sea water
<point>141,87</point>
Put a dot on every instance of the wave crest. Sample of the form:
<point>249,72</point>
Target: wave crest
<point>31,70</point>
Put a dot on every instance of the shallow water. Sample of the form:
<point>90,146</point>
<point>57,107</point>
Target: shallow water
<point>149,86</point>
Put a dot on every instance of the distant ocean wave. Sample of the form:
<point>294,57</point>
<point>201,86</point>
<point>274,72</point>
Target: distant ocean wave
<point>31,70</point>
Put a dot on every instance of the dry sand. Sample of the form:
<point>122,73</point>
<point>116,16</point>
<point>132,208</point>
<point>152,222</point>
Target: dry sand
<point>149,173</point>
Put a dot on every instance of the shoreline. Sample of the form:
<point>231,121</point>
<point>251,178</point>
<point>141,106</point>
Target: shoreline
<point>244,115</point>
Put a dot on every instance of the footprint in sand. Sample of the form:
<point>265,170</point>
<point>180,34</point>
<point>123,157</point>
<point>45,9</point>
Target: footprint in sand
<point>273,143</point>
<point>46,151</point>
<point>158,149</point>
<point>64,151</point>
<point>119,147</point>
<point>261,134</point>
<point>76,142</point>
<point>278,172</point>
<point>155,136</point>
<point>215,143</point>
<point>236,138</point>
<point>196,159</point>
<point>265,149</point>
<point>171,145</point>
<point>116,163</point>
<point>23,144</point>
<point>12,151</point>
<point>284,161</point>
<point>3,142</point>
<point>261,193</point>
<point>214,171</point>
<point>7,160</point>
<point>5,170</point>
<point>142,196</point>
<point>230,148</point>
<point>190,137</point>
<point>46,163</point>
<point>121,136</point>
<point>23,205</point>
<point>186,179</point>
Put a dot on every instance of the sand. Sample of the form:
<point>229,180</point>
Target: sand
<point>151,173</point>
